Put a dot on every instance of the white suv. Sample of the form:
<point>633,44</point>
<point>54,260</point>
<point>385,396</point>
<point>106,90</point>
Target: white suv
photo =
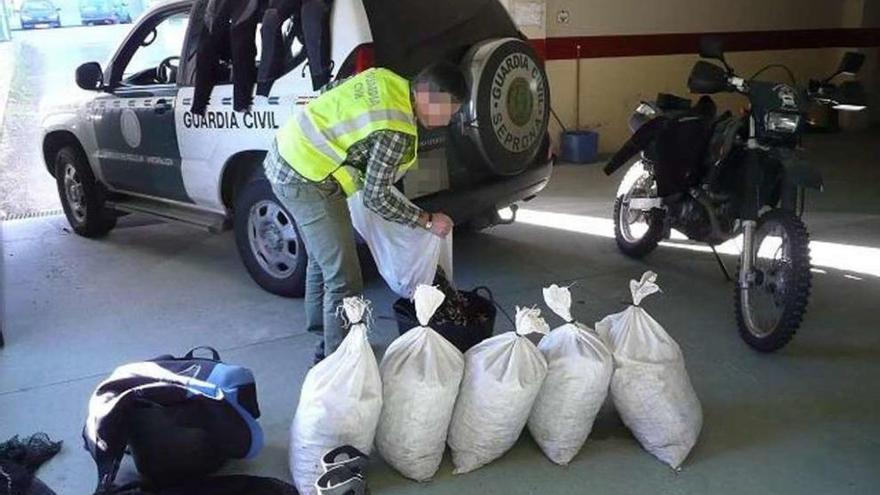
<point>132,144</point>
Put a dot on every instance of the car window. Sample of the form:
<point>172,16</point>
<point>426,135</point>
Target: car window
<point>99,5</point>
<point>167,42</point>
<point>38,5</point>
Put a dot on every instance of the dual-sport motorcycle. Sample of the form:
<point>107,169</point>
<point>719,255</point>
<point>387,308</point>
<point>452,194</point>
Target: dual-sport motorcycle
<point>714,177</point>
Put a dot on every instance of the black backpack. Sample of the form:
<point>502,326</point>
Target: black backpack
<point>182,418</point>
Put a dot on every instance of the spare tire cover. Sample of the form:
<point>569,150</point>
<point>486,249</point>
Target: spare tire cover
<point>509,108</point>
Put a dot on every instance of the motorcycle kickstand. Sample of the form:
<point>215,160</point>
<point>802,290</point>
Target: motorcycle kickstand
<point>721,264</point>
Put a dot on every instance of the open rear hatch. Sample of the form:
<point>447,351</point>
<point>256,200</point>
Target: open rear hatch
<point>504,125</point>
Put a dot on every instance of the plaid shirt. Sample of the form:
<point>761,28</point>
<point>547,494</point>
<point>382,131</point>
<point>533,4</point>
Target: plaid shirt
<point>378,157</point>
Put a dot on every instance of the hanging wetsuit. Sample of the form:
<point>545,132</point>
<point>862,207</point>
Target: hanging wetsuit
<point>311,25</point>
<point>235,21</point>
<point>213,46</point>
<point>316,27</point>
<point>276,59</point>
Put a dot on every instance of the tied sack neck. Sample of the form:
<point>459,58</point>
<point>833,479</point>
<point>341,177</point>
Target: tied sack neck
<point>355,311</point>
<point>643,288</point>
<point>529,321</point>
<point>558,299</point>
<point>427,300</point>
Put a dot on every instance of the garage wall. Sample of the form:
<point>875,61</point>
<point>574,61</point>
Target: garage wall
<point>611,85</point>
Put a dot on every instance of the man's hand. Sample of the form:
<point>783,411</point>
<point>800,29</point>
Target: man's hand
<point>441,224</point>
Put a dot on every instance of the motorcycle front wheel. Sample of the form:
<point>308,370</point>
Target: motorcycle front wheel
<point>771,308</point>
<point>637,232</point>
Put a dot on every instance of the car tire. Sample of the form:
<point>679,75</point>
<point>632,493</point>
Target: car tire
<point>82,197</point>
<point>268,240</point>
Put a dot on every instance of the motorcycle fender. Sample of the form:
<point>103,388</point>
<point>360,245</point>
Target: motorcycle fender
<point>637,143</point>
<point>632,175</point>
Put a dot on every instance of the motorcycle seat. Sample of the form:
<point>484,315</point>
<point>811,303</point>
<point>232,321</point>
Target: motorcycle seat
<point>669,102</point>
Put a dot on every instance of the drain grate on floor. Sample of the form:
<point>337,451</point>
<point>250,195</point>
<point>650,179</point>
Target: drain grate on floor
<point>31,214</point>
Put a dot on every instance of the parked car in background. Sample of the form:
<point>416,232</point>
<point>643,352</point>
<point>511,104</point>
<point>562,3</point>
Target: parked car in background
<point>39,13</point>
<point>103,12</point>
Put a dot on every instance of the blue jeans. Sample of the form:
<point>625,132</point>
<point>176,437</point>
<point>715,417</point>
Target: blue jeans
<point>334,272</point>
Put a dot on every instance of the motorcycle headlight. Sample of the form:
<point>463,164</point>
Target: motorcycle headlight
<point>784,123</point>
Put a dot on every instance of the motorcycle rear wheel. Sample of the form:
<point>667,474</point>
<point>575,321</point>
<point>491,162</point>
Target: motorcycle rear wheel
<point>771,310</point>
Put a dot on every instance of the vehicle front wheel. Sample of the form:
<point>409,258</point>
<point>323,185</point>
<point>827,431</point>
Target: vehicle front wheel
<point>81,196</point>
<point>268,240</point>
<point>637,232</point>
<point>771,308</point>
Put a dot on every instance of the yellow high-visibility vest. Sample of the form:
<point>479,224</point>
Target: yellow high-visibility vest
<point>316,142</point>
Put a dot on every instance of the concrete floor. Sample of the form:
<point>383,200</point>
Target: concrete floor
<point>804,421</point>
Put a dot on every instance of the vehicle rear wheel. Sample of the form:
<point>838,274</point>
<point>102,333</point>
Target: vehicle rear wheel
<point>82,197</point>
<point>268,241</point>
<point>769,313</point>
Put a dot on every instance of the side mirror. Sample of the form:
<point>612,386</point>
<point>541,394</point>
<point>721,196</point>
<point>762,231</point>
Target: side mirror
<point>707,78</point>
<point>89,76</point>
<point>852,63</point>
<point>712,47</point>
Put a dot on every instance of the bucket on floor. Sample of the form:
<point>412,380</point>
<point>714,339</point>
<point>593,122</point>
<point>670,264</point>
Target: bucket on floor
<point>463,338</point>
<point>580,146</point>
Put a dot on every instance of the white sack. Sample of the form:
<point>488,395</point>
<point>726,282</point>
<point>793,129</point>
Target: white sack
<point>339,404</point>
<point>502,377</point>
<point>406,257</point>
<point>650,386</point>
<point>579,367</point>
<point>421,372</point>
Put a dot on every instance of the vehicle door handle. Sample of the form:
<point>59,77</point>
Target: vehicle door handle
<point>162,105</point>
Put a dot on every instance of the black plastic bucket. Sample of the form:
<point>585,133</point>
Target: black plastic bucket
<point>462,337</point>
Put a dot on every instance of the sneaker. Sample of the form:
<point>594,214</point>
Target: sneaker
<point>347,456</point>
<point>341,481</point>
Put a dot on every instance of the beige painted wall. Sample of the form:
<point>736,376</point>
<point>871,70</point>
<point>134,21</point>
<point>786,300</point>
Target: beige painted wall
<point>612,87</point>
<point>602,17</point>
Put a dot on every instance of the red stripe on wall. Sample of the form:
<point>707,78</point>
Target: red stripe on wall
<point>563,48</point>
